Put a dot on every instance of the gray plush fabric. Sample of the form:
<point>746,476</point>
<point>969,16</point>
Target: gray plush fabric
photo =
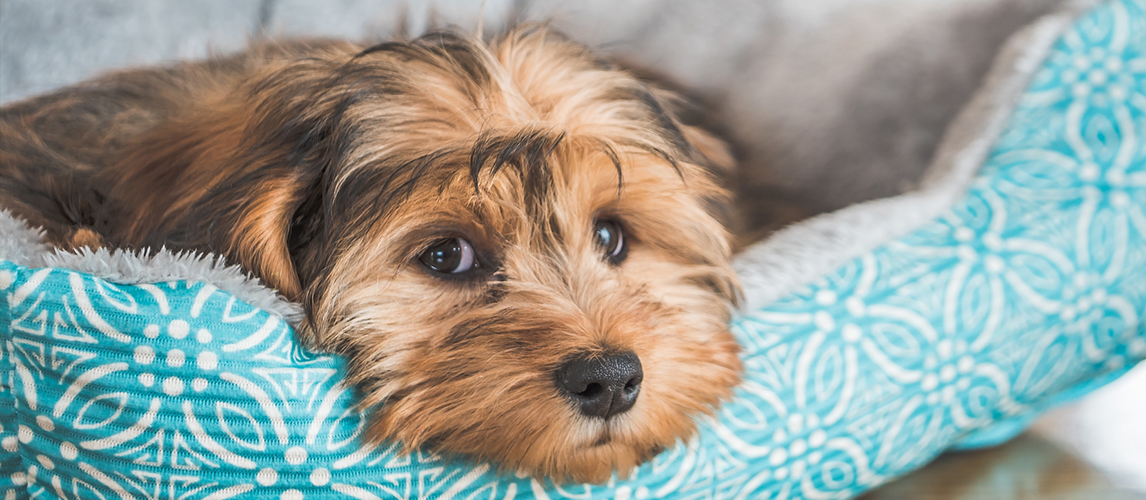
<point>830,102</point>
<point>52,43</point>
<point>810,249</point>
<point>19,243</point>
<point>22,245</point>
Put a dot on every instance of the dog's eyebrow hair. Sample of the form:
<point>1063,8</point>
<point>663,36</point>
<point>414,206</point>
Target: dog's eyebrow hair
<point>527,151</point>
<point>615,159</point>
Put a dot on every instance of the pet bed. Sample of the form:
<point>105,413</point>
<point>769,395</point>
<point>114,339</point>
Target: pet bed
<point>874,338</point>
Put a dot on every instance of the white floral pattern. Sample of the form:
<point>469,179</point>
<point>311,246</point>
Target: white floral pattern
<point>1031,285</point>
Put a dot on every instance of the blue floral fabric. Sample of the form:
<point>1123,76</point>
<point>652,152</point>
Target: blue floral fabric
<point>1031,287</point>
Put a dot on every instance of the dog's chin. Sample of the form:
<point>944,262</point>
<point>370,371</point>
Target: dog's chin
<point>610,449</point>
<point>596,463</point>
<point>571,449</point>
<point>527,432</point>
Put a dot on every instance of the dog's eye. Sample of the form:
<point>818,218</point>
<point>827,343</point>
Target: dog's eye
<point>611,239</point>
<point>449,256</point>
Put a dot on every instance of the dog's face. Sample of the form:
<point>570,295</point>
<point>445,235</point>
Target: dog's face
<point>511,243</point>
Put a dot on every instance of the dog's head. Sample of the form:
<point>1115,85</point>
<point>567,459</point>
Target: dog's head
<point>513,243</point>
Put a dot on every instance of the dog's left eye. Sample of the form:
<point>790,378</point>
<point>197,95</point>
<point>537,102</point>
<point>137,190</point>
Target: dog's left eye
<point>611,239</point>
<point>449,256</point>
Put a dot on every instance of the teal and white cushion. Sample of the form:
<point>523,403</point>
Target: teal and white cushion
<point>1014,279</point>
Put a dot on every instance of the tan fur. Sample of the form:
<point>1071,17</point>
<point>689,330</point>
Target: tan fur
<point>326,169</point>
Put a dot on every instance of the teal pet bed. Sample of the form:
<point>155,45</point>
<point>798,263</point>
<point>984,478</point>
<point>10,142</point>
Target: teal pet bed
<point>874,338</point>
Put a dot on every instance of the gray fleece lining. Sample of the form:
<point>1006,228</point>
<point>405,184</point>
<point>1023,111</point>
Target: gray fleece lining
<point>806,251</point>
<point>24,246</point>
<point>20,243</point>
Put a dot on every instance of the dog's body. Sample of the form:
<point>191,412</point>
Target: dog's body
<point>508,241</point>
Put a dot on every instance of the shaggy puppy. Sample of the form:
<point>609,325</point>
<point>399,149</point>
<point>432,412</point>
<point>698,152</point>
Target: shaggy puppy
<point>513,243</point>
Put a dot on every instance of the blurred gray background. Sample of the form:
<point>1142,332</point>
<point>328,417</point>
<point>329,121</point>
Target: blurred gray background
<point>828,102</point>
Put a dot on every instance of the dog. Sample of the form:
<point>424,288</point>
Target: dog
<point>516,244</point>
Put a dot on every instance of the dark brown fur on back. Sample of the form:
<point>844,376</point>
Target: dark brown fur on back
<point>326,168</point>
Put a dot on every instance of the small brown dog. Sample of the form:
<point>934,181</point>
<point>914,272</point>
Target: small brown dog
<point>513,243</point>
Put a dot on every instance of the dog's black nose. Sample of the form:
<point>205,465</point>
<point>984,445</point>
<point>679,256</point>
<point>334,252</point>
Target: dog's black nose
<point>601,385</point>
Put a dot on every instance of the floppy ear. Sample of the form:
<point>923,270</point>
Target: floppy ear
<point>682,115</point>
<point>240,176</point>
<point>714,152</point>
<point>686,114</point>
<point>277,207</point>
<point>706,148</point>
<point>261,237</point>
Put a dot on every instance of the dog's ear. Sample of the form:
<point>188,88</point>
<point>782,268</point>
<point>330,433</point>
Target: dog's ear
<point>688,117</point>
<point>241,175</point>
<point>269,229</point>
<point>714,151</point>
<point>278,227</point>
<point>687,113</point>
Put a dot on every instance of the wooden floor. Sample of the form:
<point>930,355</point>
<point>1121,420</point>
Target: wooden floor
<point>1094,449</point>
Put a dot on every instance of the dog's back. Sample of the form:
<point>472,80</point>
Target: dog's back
<point>50,145</point>
<point>53,147</point>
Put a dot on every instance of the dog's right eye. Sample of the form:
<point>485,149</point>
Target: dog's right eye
<point>449,256</point>
<point>611,239</point>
